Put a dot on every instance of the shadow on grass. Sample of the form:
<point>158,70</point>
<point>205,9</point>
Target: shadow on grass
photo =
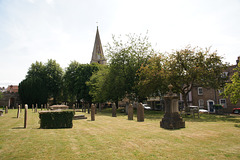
<point>18,128</point>
<point>158,115</point>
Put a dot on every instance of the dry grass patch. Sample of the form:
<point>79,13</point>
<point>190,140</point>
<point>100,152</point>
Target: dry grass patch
<point>210,137</point>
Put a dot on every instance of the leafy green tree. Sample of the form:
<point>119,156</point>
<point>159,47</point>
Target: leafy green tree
<point>183,69</point>
<point>194,67</point>
<point>152,77</point>
<point>232,89</point>
<point>98,84</point>
<point>75,80</point>
<point>54,74</point>
<point>125,61</point>
<point>0,95</point>
<point>41,82</point>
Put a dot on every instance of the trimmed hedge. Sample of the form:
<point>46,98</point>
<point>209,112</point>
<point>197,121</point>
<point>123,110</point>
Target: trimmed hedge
<point>56,119</point>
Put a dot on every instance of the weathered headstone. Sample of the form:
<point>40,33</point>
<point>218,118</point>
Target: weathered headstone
<point>126,108</point>
<point>140,113</point>
<point>35,111</point>
<point>130,112</point>
<point>114,110</point>
<point>93,112</point>
<point>18,111</point>
<point>48,106</point>
<point>172,118</point>
<point>6,109</point>
<point>74,107</point>
<point>1,112</point>
<point>41,107</point>
<point>25,116</point>
<point>45,106</point>
<point>32,107</point>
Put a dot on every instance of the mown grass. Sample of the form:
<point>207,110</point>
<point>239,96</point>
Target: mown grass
<point>210,137</point>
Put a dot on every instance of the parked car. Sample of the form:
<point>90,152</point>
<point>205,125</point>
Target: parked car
<point>147,107</point>
<point>236,111</point>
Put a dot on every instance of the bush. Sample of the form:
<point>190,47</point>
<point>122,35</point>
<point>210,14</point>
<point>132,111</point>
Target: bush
<point>56,119</point>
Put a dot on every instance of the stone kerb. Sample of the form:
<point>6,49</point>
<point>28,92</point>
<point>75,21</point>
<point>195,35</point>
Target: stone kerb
<point>93,112</point>
<point>140,113</point>
<point>114,110</point>
<point>130,112</point>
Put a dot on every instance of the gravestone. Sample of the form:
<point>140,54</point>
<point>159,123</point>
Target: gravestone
<point>6,109</point>
<point>114,110</point>
<point>32,107</point>
<point>45,106</point>
<point>41,107</point>
<point>25,116</point>
<point>1,112</point>
<point>140,113</point>
<point>93,112</point>
<point>130,112</point>
<point>18,111</point>
<point>172,118</point>
<point>126,108</point>
<point>35,111</point>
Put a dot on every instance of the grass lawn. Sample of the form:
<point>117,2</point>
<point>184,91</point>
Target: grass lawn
<point>210,137</point>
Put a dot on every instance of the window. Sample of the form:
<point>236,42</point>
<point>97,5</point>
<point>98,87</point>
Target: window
<point>224,75</point>
<point>200,91</point>
<point>201,103</point>
<point>221,90</point>
<point>223,103</point>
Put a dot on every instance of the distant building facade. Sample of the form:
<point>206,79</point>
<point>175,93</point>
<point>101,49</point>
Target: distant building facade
<point>207,97</point>
<point>97,54</point>
<point>10,97</point>
<point>202,97</point>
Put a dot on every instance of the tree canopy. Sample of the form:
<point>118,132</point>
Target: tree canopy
<point>183,69</point>
<point>232,89</point>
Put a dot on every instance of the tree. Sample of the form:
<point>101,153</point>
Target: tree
<point>98,84</point>
<point>194,67</point>
<point>75,80</point>
<point>125,61</point>
<point>0,95</point>
<point>54,74</point>
<point>41,82</point>
<point>184,69</point>
<point>152,78</point>
<point>232,89</point>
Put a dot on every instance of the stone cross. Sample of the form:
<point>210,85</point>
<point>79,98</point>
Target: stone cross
<point>140,113</point>
<point>25,116</point>
<point>93,112</point>
<point>130,112</point>
<point>114,110</point>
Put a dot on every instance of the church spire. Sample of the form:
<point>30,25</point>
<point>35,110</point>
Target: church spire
<point>97,54</point>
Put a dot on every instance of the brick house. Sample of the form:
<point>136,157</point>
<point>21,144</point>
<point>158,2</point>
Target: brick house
<point>207,97</point>
<point>10,97</point>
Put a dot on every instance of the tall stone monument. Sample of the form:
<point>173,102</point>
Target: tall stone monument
<point>172,118</point>
<point>114,110</point>
<point>93,112</point>
<point>140,113</point>
<point>130,112</point>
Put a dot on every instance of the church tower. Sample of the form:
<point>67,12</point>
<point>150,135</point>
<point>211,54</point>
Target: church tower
<point>97,54</point>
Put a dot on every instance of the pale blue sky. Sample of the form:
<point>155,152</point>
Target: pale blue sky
<point>64,30</point>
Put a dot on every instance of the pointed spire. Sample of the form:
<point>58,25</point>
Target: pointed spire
<point>97,54</point>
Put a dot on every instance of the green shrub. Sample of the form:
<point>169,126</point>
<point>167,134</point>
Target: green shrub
<point>56,119</point>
